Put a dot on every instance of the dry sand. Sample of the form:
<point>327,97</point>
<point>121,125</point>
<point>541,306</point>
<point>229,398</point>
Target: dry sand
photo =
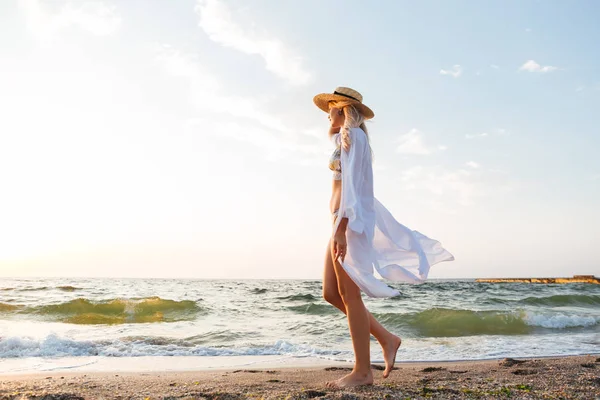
<point>576,377</point>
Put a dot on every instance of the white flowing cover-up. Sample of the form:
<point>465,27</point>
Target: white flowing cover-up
<point>374,237</point>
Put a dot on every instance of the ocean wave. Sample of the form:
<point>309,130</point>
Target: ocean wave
<point>314,309</point>
<point>9,307</point>
<point>33,289</point>
<point>68,288</point>
<point>55,346</point>
<point>559,300</point>
<point>560,321</point>
<point>213,337</point>
<point>294,297</point>
<point>439,322</point>
<point>563,300</point>
<point>116,311</point>
<point>64,288</point>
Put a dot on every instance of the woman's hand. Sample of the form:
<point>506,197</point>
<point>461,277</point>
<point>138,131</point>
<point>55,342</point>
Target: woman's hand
<point>339,244</point>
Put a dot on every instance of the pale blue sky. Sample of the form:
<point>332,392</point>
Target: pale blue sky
<point>179,139</point>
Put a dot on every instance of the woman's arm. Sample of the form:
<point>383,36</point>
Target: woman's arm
<point>343,225</point>
<point>333,131</point>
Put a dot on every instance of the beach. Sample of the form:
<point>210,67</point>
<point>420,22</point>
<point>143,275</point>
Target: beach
<point>89,338</point>
<point>570,377</point>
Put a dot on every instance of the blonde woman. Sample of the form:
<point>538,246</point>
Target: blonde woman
<point>365,236</point>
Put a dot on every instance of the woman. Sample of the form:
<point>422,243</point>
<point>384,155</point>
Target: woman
<point>365,235</point>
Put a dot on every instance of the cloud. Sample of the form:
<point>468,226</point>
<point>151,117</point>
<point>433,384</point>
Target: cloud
<point>476,135</point>
<point>495,132</point>
<point>216,20</point>
<point>472,164</point>
<point>275,145</point>
<point>207,93</point>
<point>449,189</point>
<point>93,16</point>
<point>532,66</point>
<point>455,72</point>
<point>240,118</point>
<point>411,173</point>
<point>412,143</point>
<point>494,66</point>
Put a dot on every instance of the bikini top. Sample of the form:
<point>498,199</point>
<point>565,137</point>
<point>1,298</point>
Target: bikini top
<point>335,163</point>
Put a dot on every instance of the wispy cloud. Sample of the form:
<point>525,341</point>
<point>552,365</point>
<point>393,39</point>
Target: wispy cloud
<point>93,16</point>
<point>476,135</point>
<point>207,93</point>
<point>494,66</point>
<point>413,143</point>
<point>472,164</point>
<point>240,118</point>
<point>494,132</point>
<point>275,145</point>
<point>453,188</point>
<point>532,66</point>
<point>455,72</point>
<point>217,21</point>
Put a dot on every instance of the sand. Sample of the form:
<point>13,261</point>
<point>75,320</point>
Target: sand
<point>574,377</point>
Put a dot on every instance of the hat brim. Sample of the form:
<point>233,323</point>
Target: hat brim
<point>322,101</point>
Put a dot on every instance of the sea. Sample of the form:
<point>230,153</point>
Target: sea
<point>56,319</point>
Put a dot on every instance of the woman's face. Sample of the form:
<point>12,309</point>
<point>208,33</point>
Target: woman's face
<point>336,117</point>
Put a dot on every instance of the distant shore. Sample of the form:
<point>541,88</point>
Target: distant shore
<point>572,377</point>
<point>574,279</point>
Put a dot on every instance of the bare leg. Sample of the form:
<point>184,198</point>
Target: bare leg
<point>358,322</point>
<point>388,341</point>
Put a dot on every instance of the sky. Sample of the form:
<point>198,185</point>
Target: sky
<point>179,139</point>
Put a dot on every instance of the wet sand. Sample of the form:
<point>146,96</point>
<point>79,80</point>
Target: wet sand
<point>574,377</point>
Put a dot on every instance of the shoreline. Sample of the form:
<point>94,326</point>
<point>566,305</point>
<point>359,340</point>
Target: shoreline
<point>576,377</point>
<point>31,366</point>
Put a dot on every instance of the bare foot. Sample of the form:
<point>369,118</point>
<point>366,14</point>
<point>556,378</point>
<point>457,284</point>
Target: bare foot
<point>389,354</point>
<point>353,379</point>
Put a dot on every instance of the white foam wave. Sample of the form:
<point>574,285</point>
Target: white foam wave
<point>50,346</point>
<point>560,321</point>
<point>55,346</point>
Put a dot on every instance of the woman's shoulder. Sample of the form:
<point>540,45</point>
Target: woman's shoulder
<point>358,134</point>
<point>358,130</point>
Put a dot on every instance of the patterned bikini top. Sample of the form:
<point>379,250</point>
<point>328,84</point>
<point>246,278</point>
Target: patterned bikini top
<point>335,163</point>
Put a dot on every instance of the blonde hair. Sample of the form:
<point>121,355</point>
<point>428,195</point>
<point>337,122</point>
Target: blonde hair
<point>352,119</point>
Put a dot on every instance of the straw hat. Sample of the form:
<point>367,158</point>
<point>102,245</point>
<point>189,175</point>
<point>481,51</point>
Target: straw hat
<point>343,93</point>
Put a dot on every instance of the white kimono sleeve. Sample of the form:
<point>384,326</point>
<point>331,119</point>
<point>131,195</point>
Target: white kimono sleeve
<point>357,204</point>
<point>356,201</point>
